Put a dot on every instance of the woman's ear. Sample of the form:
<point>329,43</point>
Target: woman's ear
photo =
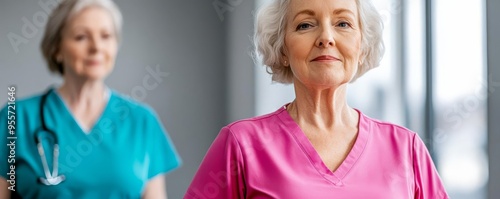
<point>59,58</point>
<point>362,57</point>
<point>285,62</point>
<point>284,58</point>
<point>361,61</point>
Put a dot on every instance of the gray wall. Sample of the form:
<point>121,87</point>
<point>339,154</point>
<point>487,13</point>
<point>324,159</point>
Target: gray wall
<point>241,68</point>
<point>493,60</point>
<point>186,38</point>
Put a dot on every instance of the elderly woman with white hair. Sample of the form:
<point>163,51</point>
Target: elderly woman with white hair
<point>81,139</point>
<point>317,146</point>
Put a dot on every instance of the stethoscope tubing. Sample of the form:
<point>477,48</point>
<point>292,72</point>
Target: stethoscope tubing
<point>50,178</point>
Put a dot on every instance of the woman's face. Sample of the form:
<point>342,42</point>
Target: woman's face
<point>89,44</point>
<point>323,41</point>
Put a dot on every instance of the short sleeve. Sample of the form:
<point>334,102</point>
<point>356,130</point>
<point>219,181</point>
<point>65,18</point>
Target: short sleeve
<point>428,184</point>
<point>162,154</point>
<point>4,167</point>
<point>220,174</point>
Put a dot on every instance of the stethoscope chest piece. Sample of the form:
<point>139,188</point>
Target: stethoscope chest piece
<point>51,178</point>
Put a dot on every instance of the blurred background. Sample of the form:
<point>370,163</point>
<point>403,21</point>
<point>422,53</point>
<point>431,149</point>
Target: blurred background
<point>439,77</point>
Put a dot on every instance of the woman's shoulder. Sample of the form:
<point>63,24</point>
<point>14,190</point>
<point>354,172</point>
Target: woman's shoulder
<point>259,128</point>
<point>23,103</point>
<point>124,103</point>
<point>256,132</point>
<point>384,127</point>
<point>257,121</point>
<point>389,135</point>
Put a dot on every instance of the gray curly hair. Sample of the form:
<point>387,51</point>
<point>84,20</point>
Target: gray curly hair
<point>269,38</point>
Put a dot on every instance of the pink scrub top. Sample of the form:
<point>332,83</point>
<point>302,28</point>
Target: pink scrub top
<point>270,157</point>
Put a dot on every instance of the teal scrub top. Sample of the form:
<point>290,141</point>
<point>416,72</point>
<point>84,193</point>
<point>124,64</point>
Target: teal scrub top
<point>127,147</point>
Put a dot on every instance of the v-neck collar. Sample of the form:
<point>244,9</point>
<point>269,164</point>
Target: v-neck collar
<point>64,107</point>
<point>338,175</point>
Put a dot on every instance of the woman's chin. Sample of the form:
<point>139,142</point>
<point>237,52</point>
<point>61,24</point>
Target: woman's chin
<point>327,83</point>
<point>330,80</point>
<point>94,75</point>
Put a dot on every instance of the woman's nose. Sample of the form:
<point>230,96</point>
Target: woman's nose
<point>326,37</point>
<point>95,45</point>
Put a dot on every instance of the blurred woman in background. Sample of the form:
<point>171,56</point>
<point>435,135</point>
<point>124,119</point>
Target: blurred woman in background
<point>81,139</point>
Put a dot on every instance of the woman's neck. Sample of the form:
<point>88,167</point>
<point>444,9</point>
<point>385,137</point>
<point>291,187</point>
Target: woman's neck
<point>78,94</point>
<point>324,109</point>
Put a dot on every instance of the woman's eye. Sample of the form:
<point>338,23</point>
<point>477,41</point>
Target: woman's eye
<point>303,26</point>
<point>80,37</point>
<point>106,36</point>
<point>343,25</point>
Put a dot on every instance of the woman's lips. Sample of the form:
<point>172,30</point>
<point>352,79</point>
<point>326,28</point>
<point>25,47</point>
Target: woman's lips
<point>326,58</point>
<point>92,63</point>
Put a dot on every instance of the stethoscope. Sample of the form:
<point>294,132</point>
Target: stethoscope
<point>50,178</point>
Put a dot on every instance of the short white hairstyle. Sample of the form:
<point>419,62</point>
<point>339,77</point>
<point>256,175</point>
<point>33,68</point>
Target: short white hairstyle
<point>51,40</point>
<point>269,38</point>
